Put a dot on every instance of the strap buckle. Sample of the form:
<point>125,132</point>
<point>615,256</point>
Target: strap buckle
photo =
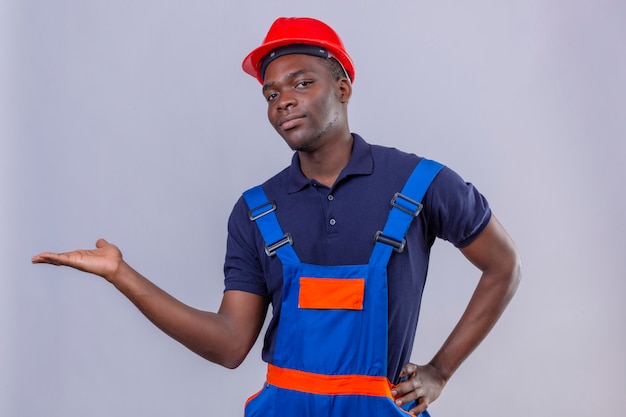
<point>270,250</point>
<point>397,245</point>
<point>412,211</point>
<point>271,206</point>
<point>262,210</point>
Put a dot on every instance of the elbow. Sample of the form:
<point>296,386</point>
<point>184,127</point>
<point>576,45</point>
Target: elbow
<point>514,273</point>
<point>226,362</point>
<point>236,353</point>
<point>233,362</point>
<point>229,358</point>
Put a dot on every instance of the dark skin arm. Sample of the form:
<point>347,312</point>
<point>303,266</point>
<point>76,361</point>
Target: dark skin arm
<point>227,336</point>
<point>224,337</point>
<point>494,253</point>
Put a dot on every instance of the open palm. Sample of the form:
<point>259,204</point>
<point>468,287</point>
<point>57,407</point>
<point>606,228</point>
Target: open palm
<point>104,260</point>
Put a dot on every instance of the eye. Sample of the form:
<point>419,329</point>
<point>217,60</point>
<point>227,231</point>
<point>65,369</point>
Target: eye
<point>304,83</point>
<point>271,97</point>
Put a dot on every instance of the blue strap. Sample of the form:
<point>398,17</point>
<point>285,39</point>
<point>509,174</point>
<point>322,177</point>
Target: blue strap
<point>406,206</point>
<point>262,211</point>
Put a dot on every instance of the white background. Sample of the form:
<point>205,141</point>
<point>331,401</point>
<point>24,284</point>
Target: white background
<point>132,120</point>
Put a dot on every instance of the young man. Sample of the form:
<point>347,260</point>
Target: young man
<point>343,268</point>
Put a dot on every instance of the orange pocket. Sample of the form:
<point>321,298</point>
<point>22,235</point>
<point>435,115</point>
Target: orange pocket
<point>331,293</point>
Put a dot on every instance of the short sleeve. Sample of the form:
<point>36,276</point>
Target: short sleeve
<point>456,210</point>
<point>242,267</point>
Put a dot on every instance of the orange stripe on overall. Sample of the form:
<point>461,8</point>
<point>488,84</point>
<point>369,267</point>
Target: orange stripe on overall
<point>378,386</point>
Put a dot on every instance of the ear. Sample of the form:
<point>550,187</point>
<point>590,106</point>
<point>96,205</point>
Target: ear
<point>344,90</point>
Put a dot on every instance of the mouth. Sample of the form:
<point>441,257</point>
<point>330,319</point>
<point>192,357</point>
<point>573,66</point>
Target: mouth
<point>289,122</point>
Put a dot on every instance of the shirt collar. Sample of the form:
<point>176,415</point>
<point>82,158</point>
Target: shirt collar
<point>360,163</point>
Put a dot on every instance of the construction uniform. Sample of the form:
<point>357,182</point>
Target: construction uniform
<point>359,202</point>
<point>331,352</point>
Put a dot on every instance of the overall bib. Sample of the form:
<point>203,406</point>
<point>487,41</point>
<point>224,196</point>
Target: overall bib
<point>331,348</point>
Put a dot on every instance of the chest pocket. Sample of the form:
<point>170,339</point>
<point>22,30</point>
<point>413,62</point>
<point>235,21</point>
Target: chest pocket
<point>331,293</point>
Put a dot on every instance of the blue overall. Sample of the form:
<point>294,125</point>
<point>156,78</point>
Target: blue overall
<point>331,348</point>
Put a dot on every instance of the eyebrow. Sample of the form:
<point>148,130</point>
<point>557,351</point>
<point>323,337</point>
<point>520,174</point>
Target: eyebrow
<point>287,77</point>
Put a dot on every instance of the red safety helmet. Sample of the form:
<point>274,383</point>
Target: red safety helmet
<point>298,30</point>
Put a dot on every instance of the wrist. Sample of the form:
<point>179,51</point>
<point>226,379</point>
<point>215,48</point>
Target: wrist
<point>442,372</point>
<point>116,276</point>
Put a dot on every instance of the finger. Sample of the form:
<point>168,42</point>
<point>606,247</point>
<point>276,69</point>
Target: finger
<point>101,242</point>
<point>422,405</point>
<point>403,388</point>
<point>408,369</point>
<point>406,399</point>
<point>36,259</point>
<point>406,393</point>
<point>45,257</point>
<point>72,259</point>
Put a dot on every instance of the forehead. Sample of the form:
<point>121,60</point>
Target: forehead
<point>288,65</point>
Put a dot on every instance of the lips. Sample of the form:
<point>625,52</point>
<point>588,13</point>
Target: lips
<point>289,122</point>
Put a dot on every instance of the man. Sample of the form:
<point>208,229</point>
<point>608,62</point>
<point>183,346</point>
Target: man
<point>343,269</point>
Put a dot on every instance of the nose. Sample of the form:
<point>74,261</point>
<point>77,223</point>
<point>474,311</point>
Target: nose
<point>286,101</point>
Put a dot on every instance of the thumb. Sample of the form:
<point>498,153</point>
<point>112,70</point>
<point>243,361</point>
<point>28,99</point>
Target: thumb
<point>408,369</point>
<point>101,243</point>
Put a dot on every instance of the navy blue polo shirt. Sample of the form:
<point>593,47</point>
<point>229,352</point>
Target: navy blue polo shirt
<point>336,226</point>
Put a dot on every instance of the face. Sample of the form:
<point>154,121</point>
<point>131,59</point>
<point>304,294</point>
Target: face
<point>305,105</point>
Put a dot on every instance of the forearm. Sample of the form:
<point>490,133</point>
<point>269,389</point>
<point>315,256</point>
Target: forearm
<point>490,298</point>
<point>224,337</point>
<point>492,295</point>
<point>495,255</point>
<point>210,335</point>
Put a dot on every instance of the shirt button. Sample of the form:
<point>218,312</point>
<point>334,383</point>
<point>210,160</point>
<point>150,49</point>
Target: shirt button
<point>332,222</point>
<point>330,197</point>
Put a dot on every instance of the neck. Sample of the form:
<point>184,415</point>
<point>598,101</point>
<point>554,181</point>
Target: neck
<point>326,163</point>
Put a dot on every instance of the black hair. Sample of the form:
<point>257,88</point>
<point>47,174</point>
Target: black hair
<point>334,68</point>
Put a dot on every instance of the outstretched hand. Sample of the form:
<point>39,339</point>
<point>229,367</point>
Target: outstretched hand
<point>105,260</point>
<point>424,384</point>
